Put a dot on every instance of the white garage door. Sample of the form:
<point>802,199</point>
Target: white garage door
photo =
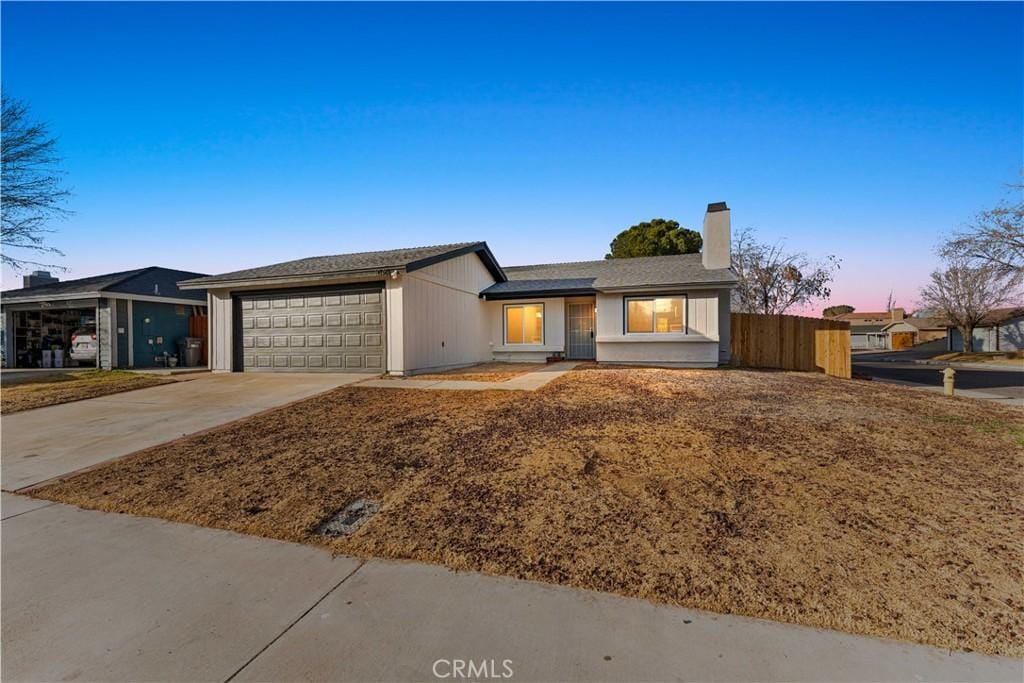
<point>317,331</point>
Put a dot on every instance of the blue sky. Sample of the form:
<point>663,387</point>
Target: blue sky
<point>196,136</point>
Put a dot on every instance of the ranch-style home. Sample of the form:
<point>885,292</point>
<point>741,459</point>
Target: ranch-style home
<point>407,311</point>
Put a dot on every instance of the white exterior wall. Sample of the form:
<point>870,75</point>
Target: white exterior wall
<point>697,347</point>
<point>444,321</point>
<point>219,307</point>
<point>393,327</point>
<point>554,331</point>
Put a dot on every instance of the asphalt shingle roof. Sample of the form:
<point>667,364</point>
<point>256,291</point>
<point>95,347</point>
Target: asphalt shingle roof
<point>345,263</point>
<point>123,281</point>
<point>644,271</point>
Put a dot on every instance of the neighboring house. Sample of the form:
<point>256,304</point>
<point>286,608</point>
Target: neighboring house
<point>866,329</point>
<point>136,316</point>
<point>1002,330</point>
<point>406,311</point>
<point>905,332</point>
<point>891,329</point>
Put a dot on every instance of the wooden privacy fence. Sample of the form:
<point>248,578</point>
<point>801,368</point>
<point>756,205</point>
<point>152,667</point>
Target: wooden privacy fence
<point>197,328</point>
<point>791,342</point>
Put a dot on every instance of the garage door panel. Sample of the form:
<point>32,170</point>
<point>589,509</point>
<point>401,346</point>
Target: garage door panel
<point>290,332</point>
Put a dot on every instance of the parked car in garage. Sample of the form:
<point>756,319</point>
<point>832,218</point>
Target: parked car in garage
<point>84,345</point>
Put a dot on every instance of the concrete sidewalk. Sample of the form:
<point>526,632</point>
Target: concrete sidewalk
<point>96,596</point>
<point>49,442</point>
<point>530,381</point>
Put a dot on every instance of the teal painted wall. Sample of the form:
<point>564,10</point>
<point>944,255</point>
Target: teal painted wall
<point>157,328</point>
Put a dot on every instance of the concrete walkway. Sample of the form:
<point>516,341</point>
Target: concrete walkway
<point>530,381</point>
<point>95,596</point>
<point>49,442</point>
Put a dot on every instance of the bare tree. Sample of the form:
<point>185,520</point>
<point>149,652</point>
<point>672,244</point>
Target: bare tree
<point>30,185</point>
<point>772,280</point>
<point>965,293</point>
<point>996,237</point>
<point>890,303</point>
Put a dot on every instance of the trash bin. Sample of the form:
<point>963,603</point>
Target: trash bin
<point>190,351</point>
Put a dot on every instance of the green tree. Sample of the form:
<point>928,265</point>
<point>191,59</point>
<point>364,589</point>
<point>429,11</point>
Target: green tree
<point>656,237</point>
<point>833,311</point>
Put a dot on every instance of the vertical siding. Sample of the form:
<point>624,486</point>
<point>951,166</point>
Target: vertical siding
<point>702,314</point>
<point>444,321</point>
<point>394,329</point>
<point>167,324</point>
<point>221,330</point>
<point>700,346</point>
<point>122,322</point>
<point>554,330</point>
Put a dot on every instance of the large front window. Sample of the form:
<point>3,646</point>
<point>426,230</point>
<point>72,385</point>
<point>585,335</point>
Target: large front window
<point>524,324</point>
<point>655,314</point>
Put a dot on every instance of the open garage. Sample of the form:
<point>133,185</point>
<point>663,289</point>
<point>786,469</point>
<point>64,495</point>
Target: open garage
<point>130,319</point>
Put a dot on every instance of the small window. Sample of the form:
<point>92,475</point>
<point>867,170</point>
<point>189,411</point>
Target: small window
<point>655,315</point>
<point>524,324</point>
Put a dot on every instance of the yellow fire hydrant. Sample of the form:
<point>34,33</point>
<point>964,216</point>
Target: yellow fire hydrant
<point>947,380</point>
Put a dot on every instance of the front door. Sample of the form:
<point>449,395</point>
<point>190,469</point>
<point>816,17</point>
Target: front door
<point>581,344</point>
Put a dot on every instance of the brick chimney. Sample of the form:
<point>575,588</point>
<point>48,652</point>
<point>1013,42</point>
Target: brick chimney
<point>898,314</point>
<point>717,237</point>
<point>36,278</point>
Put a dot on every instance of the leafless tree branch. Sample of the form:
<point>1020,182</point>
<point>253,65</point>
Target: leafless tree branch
<point>772,280</point>
<point>31,194</point>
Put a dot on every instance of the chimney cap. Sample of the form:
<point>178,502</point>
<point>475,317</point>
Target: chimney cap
<point>717,206</point>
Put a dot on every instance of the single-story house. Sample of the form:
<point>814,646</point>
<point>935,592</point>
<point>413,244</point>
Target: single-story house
<point>137,316</point>
<point>866,329</point>
<point>905,332</point>
<point>891,329</point>
<point>406,311</point>
<point>1001,330</point>
<point>868,336</point>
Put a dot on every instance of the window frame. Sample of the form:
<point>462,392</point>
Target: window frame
<point>652,297</point>
<point>504,323</point>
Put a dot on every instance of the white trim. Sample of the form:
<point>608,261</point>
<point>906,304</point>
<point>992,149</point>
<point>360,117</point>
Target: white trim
<point>374,275</point>
<point>504,324</point>
<point>654,337</point>
<point>663,336</point>
<point>99,295</point>
<point>154,299</point>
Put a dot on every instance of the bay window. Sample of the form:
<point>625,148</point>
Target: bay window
<point>524,324</point>
<point>655,315</point>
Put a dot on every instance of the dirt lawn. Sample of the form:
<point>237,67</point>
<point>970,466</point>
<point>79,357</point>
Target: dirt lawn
<point>485,372</point>
<point>76,386</point>
<point>869,508</point>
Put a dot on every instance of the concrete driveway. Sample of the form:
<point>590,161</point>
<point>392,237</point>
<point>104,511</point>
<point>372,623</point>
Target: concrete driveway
<point>49,442</point>
<point>105,597</point>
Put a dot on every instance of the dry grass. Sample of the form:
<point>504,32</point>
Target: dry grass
<point>996,357</point>
<point>56,389</point>
<point>868,508</point>
<point>485,372</point>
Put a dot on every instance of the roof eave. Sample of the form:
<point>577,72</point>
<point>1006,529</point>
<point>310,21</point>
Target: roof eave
<point>479,248</point>
<point>537,294</point>
<point>345,275</point>
<point>34,298</point>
